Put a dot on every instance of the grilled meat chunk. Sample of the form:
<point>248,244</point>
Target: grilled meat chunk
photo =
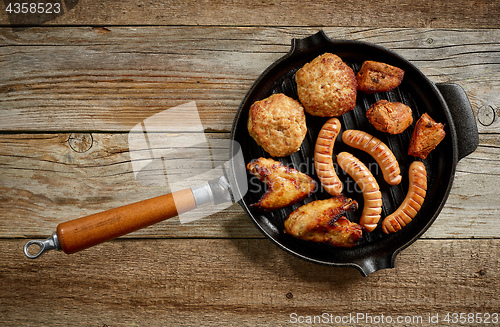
<point>376,77</point>
<point>285,185</point>
<point>390,117</point>
<point>323,221</point>
<point>425,137</point>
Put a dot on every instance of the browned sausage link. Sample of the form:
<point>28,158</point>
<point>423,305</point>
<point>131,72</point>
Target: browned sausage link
<point>413,201</point>
<point>378,150</point>
<point>367,183</point>
<point>323,162</point>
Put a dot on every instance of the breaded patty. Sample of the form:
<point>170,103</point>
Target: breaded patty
<point>326,86</point>
<point>278,124</point>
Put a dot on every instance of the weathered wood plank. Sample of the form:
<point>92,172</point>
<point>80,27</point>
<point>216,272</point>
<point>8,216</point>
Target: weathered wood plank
<point>239,282</point>
<point>404,13</point>
<point>86,79</point>
<point>44,182</point>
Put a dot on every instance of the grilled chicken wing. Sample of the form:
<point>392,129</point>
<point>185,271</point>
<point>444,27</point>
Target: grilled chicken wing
<point>323,221</point>
<point>286,185</point>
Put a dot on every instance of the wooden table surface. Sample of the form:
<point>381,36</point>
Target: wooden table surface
<point>73,86</point>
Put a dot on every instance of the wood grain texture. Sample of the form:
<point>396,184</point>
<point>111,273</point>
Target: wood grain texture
<point>45,182</point>
<point>80,79</point>
<point>73,87</point>
<point>245,282</point>
<point>405,13</point>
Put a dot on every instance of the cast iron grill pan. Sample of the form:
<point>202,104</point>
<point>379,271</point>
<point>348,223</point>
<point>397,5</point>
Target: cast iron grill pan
<point>376,250</point>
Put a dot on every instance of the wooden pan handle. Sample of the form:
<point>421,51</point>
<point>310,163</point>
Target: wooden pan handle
<point>79,234</point>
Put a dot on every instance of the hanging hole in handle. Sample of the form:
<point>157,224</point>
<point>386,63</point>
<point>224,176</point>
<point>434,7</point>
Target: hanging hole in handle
<point>51,243</point>
<point>30,247</point>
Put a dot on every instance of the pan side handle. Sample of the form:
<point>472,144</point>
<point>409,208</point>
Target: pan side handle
<point>371,264</point>
<point>463,118</point>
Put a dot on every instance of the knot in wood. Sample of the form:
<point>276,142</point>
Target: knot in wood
<point>80,142</point>
<point>486,115</point>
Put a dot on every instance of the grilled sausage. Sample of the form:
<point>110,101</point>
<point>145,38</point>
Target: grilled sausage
<point>371,190</point>
<point>323,162</point>
<point>413,201</point>
<point>378,150</point>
